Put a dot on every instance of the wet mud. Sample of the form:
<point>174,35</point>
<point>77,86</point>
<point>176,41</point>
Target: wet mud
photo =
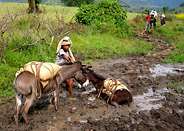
<point>157,89</point>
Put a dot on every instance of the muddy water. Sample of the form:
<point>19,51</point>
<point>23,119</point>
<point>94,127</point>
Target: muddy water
<point>164,70</point>
<point>149,100</point>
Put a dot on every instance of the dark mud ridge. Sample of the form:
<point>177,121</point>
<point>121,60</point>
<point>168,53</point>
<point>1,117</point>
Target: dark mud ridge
<point>156,105</point>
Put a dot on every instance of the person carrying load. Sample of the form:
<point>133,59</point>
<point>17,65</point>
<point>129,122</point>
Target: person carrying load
<point>153,18</point>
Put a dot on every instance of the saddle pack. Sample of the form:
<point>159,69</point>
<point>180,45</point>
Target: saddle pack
<point>112,85</point>
<point>44,71</point>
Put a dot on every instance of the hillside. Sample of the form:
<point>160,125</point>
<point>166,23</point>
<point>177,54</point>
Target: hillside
<point>169,3</point>
<point>136,3</point>
<point>154,3</point>
<point>178,10</point>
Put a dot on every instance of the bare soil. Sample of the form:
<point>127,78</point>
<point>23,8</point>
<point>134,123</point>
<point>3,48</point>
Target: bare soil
<point>155,107</point>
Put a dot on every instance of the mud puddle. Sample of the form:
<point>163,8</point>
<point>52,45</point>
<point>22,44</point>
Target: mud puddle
<point>88,91</point>
<point>150,100</point>
<point>164,70</point>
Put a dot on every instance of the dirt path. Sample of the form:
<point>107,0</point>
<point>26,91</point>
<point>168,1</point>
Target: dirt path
<point>156,106</point>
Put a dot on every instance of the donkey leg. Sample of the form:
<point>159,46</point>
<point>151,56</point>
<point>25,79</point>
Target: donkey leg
<point>130,100</point>
<point>69,84</point>
<point>27,105</point>
<point>52,99</point>
<point>17,107</point>
<point>56,98</point>
<point>114,104</point>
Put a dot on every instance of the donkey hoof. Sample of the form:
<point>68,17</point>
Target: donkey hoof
<point>114,104</point>
<point>51,106</point>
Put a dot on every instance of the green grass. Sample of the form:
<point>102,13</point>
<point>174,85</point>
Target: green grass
<point>173,32</point>
<point>49,11</point>
<point>101,46</point>
<point>178,87</point>
<point>130,16</point>
<point>176,56</point>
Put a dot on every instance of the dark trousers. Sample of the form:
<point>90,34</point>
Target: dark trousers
<point>153,23</point>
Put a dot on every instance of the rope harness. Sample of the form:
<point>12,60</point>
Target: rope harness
<point>110,87</point>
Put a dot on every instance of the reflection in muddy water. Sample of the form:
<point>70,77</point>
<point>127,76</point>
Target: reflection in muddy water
<point>88,91</point>
<point>146,101</point>
<point>76,118</point>
<point>90,113</point>
<point>63,95</point>
<point>160,70</point>
<point>58,125</point>
<point>91,98</point>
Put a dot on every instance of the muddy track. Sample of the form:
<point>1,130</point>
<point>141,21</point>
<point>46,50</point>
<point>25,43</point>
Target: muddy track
<point>156,106</point>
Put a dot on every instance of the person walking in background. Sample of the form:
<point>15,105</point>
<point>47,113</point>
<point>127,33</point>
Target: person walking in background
<point>147,21</point>
<point>153,18</point>
<point>162,20</point>
<point>65,56</point>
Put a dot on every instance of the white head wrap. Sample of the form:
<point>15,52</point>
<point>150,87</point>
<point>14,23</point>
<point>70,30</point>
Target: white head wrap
<point>163,15</point>
<point>66,41</point>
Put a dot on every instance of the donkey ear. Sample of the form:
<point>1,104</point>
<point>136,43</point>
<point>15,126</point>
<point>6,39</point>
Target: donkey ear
<point>86,66</point>
<point>89,67</point>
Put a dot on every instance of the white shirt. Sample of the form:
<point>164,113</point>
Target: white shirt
<point>154,12</point>
<point>59,57</point>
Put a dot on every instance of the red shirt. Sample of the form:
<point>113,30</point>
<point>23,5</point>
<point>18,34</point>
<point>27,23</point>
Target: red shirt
<point>148,18</point>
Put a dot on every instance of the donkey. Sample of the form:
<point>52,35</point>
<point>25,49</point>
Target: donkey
<point>118,95</point>
<point>26,85</point>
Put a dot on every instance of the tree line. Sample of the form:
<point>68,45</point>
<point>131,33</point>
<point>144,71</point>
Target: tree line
<point>34,4</point>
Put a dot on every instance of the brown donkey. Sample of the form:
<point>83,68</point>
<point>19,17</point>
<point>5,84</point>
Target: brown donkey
<point>110,89</point>
<point>26,84</point>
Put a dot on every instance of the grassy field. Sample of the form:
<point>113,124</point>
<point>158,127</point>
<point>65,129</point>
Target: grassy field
<point>172,32</point>
<point>130,16</point>
<point>88,43</point>
<point>180,16</point>
<point>49,11</point>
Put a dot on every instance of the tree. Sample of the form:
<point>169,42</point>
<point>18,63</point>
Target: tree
<point>34,6</point>
<point>77,2</point>
<point>106,15</point>
<point>165,9</point>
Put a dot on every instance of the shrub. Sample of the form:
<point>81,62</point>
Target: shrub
<point>139,18</point>
<point>106,13</point>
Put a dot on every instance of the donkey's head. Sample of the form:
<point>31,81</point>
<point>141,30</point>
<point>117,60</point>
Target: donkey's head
<point>82,76</point>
